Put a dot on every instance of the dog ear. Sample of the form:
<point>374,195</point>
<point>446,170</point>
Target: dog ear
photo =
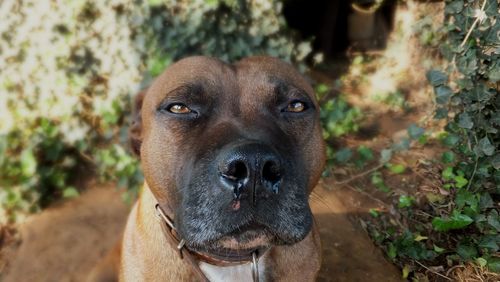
<point>135,131</point>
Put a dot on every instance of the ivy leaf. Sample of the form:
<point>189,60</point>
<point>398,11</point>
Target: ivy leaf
<point>396,168</point>
<point>414,131</point>
<point>70,192</point>
<point>494,264</point>
<point>494,220</point>
<point>486,147</point>
<point>466,251</point>
<point>495,162</point>
<point>456,221</point>
<point>454,7</point>
<point>443,94</point>
<point>482,262</point>
<point>436,77</point>
<point>402,145</point>
<point>485,201</point>
<point>460,181</point>
<point>441,113</point>
<point>378,182</point>
<point>489,242</point>
<point>465,121</point>
<point>405,201</point>
<point>447,173</point>
<point>385,155</point>
<point>438,250</point>
<point>494,74</point>
<point>343,155</point>
<point>448,157</point>
<point>365,153</point>
<point>451,140</point>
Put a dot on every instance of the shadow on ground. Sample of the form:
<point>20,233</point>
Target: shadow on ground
<point>65,241</point>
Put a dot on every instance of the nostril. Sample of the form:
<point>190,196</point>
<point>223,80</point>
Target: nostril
<point>271,171</point>
<point>236,171</point>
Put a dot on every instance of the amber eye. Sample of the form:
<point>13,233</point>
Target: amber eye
<point>179,109</point>
<point>296,107</point>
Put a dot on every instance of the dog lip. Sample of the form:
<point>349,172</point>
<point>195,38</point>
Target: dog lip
<point>252,226</point>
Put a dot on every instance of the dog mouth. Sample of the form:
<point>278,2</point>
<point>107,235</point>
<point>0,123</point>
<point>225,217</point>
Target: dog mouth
<point>240,242</point>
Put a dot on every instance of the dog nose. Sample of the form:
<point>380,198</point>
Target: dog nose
<point>251,170</point>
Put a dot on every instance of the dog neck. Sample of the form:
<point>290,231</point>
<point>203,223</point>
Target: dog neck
<point>244,267</point>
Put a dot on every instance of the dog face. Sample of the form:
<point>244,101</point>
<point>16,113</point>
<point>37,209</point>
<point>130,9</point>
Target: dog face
<point>232,150</point>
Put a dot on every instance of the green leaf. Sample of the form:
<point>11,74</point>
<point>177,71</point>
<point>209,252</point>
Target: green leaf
<point>70,192</point>
<point>322,89</point>
<point>494,75</point>
<point>489,242</point>
<point>405,201</point>
<point>402,145</point>
<point>28,162</point>
<point>486,147</point>
<point>343,155</point>
<point>494,220</point>
<point>443,94</point>
<point>436,78</point>
<point>465,121</point>
<point>374,212</point>
<point>385,155</point>
<point>441,113</point>
<point>392,251</point>
<point>438,249</point>
<point>485,201</point>
<point>460,181</point>
<point>448,173</point>
<point>454,7</point>
<point>396,168</point>
<point>464,197</point>
<point>495,162</point>
<point>378,182</point>
<point>414,131</point>
<point>365,153</point>
<point>456,221</point>
<point>448,157</point>
<point>482,262</point>
<point>451,140</point>
<point>494,264</point>
<point>467,251</point>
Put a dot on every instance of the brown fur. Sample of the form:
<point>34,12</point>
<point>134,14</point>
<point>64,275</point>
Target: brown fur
<point>145,253</point>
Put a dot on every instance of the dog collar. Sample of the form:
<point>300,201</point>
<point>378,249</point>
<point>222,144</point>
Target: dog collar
<point>193,257</point>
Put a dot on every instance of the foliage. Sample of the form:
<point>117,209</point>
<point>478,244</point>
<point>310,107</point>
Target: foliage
<point>469,90</point>
<point>69,69</point>
<point>339,118</point>
<point>226,29</point>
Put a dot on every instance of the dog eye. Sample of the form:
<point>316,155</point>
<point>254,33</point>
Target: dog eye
<point>179,109</point>
<point>296,107</point>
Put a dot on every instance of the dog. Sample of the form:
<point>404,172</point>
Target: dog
<point>230,154</point>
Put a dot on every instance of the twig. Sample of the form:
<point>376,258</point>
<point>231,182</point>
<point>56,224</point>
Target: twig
<point>478,18</point>
<point>435,272</point>
<point>343,182</point>
<point>369,196</point>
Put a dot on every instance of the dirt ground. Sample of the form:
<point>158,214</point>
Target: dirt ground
<point>64,242</point>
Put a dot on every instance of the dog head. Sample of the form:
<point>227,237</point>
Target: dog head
<point>232,150</point>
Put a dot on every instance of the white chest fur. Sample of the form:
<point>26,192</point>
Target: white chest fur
<point>240,273</point>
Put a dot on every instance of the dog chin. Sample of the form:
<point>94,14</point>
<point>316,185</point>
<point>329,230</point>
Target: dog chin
<point>246,240</point>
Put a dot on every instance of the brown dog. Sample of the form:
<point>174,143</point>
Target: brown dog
<point>230,154</point>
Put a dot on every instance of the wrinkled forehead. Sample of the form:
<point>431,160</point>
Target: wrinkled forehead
<point>268,70</point>
<point>203,71</point>
<point>248,75</point>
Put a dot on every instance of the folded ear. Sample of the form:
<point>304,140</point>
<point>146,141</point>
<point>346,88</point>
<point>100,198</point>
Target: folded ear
<point>135,131</point>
